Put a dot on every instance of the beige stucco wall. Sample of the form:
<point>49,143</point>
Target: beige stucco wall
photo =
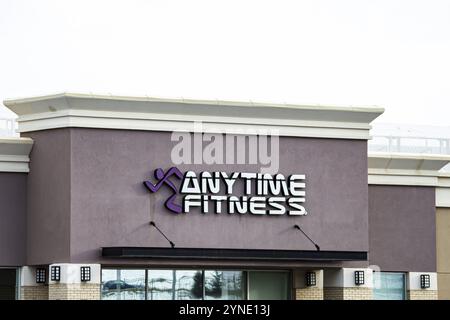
<point>443,286</point>
<point>443,252</point>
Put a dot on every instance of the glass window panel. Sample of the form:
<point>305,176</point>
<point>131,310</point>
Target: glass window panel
<point>121,284</point>
<point>175,285</point>
<point>189,285</point>
<point>224,285</point>
<point>389,286</point>
<point>159,284</point>
<point>268,285</point>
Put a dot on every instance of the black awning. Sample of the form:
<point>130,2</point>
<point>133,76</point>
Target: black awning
<point>232,254</point>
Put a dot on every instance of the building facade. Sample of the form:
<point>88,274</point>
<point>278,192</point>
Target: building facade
<point>138,198</point>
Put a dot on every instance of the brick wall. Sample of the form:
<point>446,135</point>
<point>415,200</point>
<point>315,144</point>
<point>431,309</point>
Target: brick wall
<point>356,293</point>
<point>34,293</point>
<point>333,293</point>
<point>311,293</point>
<point>80,291</point>
<point>422,294</point>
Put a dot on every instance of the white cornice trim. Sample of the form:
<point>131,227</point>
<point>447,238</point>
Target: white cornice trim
<point>402,180</point>
<point>443,197</point>
<point>444,180</point>
<point>408,161</point>
<point>405,169</point>
<point>145,113</point>
<point>443,191</point>
<point>14,154</point>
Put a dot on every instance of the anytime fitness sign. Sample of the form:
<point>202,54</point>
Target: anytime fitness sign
<point>215,192</point>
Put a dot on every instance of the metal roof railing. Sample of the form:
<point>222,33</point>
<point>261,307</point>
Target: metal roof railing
<point>410,144</point>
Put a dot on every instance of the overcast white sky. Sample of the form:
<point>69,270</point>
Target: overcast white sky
<point>393,53</point>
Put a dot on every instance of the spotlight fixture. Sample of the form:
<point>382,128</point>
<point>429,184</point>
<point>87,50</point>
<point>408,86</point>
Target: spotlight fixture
<point>424,281</point>
<point>55,273</point>
<point>359,278</point>
<point>310,279</point>
<point>41,275</point>
<point>85,274</point>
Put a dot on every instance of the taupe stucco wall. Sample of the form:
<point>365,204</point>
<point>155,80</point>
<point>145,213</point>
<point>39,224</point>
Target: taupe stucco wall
<point>48,195</point>
<point>111,207</point>
<point>13,193</point>
<point>402,228</point>
<point>443,251</point>
<point>86,192</point>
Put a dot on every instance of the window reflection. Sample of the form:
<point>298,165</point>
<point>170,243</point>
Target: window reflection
<point>164,284</point>
<point>175,285</point>
<point>224,285</point>
<point>389,286</point>
<point>160,284</point>
<point>268,285</point>
<point>120,284</point>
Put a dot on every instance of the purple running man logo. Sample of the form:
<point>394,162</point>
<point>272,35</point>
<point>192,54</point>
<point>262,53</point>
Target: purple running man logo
<point>164,179</point>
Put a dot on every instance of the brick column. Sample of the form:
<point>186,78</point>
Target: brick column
<point>339,284</point>
<point>305,292</point>
<point>70,286</point>
<point>414,290</point>
<point>29,289</point>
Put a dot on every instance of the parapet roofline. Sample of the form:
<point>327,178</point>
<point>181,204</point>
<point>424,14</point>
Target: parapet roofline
<point>408,161</point>
<point>161,114</point>
<point>14,154</point>
<point>12,102</point>
<point>406,169</point>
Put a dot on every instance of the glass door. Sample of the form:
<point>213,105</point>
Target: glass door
<point>389,286</point>
<point>7,284</point>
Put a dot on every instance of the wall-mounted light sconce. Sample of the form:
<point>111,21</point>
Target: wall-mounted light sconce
<point>41,275</point>
<point>55,273</point>
<point>359,278</point>
<point>424,281</point>
<point>85,274</point>
<point>310,279</point>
